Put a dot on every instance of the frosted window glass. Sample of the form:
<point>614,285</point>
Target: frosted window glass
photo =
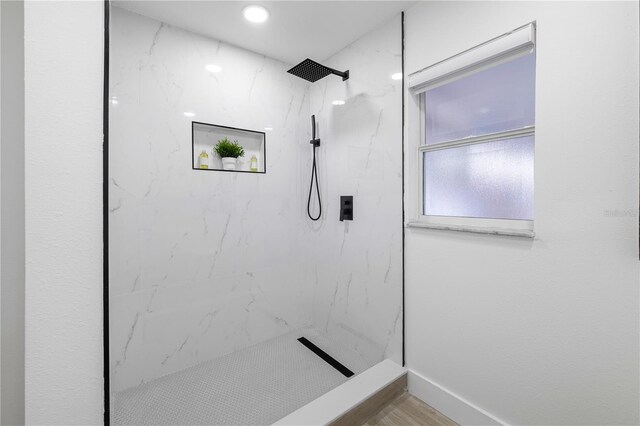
<point>487,180</point>
<point>494,100</point>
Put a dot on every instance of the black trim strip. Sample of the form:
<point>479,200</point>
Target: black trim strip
<point>403,213</point>
<point>105,217</point>
<point>326,357</point>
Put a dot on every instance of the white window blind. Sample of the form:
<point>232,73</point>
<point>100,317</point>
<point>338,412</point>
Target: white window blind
<point>503,48</point>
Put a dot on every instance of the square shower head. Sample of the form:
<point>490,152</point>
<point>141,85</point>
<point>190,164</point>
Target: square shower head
<point>313,71</point>
<point>310,70</point>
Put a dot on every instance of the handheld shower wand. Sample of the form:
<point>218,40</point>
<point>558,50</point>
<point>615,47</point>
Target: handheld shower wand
<point>314,172</point>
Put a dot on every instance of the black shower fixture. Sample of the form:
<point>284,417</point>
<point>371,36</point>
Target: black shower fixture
<point>346,207</point>
<point>314,172</point>
<point>313,71</point>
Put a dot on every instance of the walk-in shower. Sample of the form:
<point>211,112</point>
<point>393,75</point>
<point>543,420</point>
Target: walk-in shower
<point>227,304</point>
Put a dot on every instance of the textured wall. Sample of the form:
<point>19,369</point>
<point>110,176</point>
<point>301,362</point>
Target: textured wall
<point>542,331</point>
<point>203,263</point>
<point>63,219</point>
<point>356,267</point>
<point>12,202</point>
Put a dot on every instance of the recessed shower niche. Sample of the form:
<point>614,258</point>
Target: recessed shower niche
<point>205,137</point>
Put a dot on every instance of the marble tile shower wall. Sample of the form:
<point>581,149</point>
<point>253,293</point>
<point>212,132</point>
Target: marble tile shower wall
<point>205,263</point>
<point>202,263</point>
<point>356,266</point>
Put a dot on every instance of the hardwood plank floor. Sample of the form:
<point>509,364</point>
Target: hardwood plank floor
<point>365,410</point>
<point>407,410</point>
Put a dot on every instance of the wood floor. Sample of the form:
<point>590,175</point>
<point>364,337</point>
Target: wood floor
<point>407,410</point>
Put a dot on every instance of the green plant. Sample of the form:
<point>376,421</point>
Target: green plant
<point>226,148</point>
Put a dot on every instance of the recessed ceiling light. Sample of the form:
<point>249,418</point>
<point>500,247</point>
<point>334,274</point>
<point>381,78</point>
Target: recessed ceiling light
<point>268,129</point>
<point>189,114</point>
<point>114,100</point>
<point>338,102</point>
<point>396,76</point>
<point>255,13</point>
<point>213,68</point>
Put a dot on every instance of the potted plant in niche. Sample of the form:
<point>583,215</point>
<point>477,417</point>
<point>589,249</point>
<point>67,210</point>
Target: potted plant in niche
<point>229,152</point>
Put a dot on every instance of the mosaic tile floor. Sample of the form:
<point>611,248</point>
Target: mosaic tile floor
<point>254,386</point>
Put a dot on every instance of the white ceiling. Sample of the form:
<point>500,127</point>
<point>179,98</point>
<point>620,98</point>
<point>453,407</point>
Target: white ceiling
<point>296,30</point>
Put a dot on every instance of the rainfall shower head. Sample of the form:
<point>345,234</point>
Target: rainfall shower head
<point>313,71</point>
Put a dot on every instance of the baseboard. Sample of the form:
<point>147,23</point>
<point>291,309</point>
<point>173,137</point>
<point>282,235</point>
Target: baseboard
<point>448,403</point>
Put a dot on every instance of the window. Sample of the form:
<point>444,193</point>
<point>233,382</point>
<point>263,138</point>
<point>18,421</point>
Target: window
<point>476,139</point>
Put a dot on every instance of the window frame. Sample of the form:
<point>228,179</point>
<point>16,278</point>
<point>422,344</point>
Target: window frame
<point>416,146</point>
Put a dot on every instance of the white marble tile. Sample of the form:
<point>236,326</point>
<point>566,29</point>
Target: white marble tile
<point>126,314</point>
<point>198,252</point>
<point>357,300</point>
<point>205,263</point>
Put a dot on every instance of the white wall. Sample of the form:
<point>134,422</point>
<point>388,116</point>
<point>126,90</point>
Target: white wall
<point>63,197</point>
<point>12,212</point>
<point>356,266</point>
<point>542,331</point>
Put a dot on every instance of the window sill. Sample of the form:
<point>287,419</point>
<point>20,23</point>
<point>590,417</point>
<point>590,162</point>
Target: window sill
<point>523,233</point>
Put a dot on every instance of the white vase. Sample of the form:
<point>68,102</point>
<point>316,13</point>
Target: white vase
<point>228,163</point>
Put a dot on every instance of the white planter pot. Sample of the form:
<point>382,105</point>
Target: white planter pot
<point>228,163</point>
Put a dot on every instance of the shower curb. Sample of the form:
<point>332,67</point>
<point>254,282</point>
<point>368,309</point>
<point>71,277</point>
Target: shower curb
<point>355,401</point>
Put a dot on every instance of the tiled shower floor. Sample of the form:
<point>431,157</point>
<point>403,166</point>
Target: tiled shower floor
<point>254,386</point>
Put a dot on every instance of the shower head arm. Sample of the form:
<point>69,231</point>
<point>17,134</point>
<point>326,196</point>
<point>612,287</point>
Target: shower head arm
<point>344,75</point>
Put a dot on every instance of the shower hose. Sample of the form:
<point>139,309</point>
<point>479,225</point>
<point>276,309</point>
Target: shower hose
<point>314,175</point>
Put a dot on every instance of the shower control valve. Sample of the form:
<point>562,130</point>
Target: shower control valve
<point>346,207</point>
